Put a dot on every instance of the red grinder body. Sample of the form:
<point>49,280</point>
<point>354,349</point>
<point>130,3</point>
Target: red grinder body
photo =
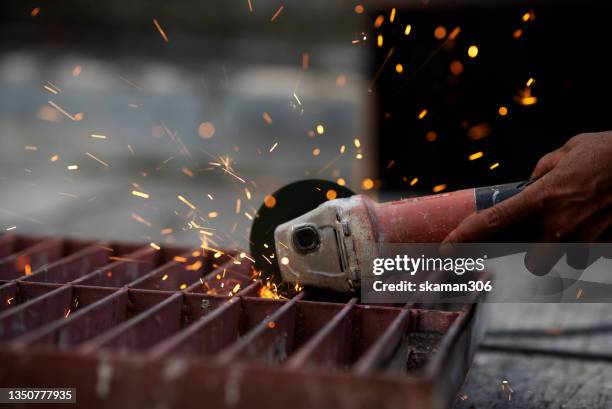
<point>330,245</point>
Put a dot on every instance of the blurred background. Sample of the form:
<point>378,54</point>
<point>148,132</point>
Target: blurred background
<point>159,121</point>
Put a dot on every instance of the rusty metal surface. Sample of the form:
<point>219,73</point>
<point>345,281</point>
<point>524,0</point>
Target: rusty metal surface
<point>132,326</point>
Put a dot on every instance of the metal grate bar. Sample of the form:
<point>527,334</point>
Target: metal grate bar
<point>112,319</point>
<point>47,303</point>
<point>123,270</point>
<point>270,341</point>
<point>328,347</point>
<point>31,258</point>
<point>209,335</point>
<point>11,244</point>
<point>73,266</point>
<point>82,325</point>
<point>142,331</point>
<point>381,351</point>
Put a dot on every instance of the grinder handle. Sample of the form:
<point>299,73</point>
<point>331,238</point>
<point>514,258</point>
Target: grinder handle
<point>491,195</point>
<point>428,219</point>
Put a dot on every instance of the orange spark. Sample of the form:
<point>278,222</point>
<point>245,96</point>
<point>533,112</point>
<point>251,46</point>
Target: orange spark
<point>161,30</point>
<point>280,9</point>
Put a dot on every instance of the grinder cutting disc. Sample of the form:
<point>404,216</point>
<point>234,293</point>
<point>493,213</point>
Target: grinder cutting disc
<point>286,204</point>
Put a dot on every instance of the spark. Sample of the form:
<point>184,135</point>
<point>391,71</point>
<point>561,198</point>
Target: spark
<point>422,114</point>
<point>399,68</point>
<point>10,228</point>
<point>269,201</point>
<point>68,195</point>
<point>247,193</point>
<point>414,181</point>
<point>266,117</point>
<point>476,155</point>
<point>212,215</point>
<point>161,30</point>
<point>166,231</point>
<point>525,98</point>
<point>517,34</point>
<point>305,61</point>
<point>31,148</point>
<point>187,202</point>
<point>408,29</point>
<point>76,71</point>
<point>382,66</point>
<point>54,158</point>
<point>10,300</point>
<point>359,9</point>
<point>528,16</point>
<point>195,266</point>
<point>380,19</point>
<point>61,110</point>
<point>140,219</point>
<point>479,131</point>
<point>28,269</point>
<point>392,16</point>
<point>379,40</point>
<point>431,136</point>
<point>530,82</point>
<point>493,166</point>
<point>357,143</point>
<point>180,259</point>
<point>285,261</point>
<point>331,194</point>
<point>72,167</point>
<point>502,111</point>
<point>280,9</point>
<point>453,35</point>
<point>51,90</point>
<point>456,67</point>
<point>187,172</point>
<point>342,149</point>
<point>271,325</point>
<point>35,11</point>
<point>472,51</point>
<point>248,216</point>
<point>367,184</point>
<point>98,136</point>
<point>439,188</point>
<point>236,288</point>
<point>297,99</point>
<point>165,277</point>
<point>440,32</point>
<point>237,206</point>
<point>140,194</point>
<point>316,152</point>
<point>183,286</point>
<point>97,159</point>
<point>273,147</point>
<point>320,129</point>
<point>341,182</point>
<point>155,246</point>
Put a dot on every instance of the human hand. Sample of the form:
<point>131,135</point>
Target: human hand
<point>571,200</point>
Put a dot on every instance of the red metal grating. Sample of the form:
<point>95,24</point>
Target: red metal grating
<point>132,326</point>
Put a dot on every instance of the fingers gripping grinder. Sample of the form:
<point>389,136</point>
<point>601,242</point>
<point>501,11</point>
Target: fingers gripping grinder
<point>325,243</point>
